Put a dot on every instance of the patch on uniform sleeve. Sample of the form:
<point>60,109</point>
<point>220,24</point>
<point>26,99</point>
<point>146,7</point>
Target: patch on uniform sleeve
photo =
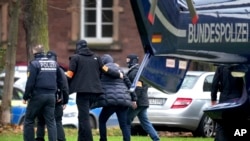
<point>105,68</point>
<point>69,74</point>
<point>28,74</point>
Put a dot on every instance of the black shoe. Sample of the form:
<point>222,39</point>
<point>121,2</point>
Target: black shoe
<point>39,139</point>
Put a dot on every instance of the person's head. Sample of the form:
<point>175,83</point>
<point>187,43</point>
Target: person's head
<point>52,55</point>
<point>81,44</point>
<point>38,49</point>
<point>106,58</point>
<point>132,59</point>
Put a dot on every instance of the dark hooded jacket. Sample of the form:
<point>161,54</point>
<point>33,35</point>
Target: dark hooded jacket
<point>87,69</point>
<point>229,86</point>
<point>115,89</point>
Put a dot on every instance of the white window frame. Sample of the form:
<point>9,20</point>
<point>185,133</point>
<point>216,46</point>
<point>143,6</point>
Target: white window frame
<point>98,39</point>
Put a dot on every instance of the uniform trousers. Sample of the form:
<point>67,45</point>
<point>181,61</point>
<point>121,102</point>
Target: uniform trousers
<point>59,127</point>
<point>44,104</point>
<point>84,101</point>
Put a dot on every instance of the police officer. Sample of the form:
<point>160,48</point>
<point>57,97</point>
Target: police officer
<point>230,88</point>
<point>142,98</point>
<point>84,73</point>
<point>43,78</point>
<point>61,101</point>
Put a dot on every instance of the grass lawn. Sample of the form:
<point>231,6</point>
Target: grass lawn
<point>114,134</point>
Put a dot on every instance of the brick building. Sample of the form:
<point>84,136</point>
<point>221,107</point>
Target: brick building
<point>107,25</point>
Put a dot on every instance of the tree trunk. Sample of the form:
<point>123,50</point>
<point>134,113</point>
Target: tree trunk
<point>10,62</point>
<point>4,35</point>
<point>2,58</point>
<point>36,24</point>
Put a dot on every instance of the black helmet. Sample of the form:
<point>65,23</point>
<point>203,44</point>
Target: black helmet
<point>81,44</point>
<point>132,59</point>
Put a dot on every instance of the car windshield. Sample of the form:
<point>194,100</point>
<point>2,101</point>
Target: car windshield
<point>21,83</point>
<point>17,94</point>
<point>189,81</point>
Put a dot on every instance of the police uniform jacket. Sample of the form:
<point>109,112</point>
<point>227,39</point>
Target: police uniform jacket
<point>141,91</point>
<point>229,86</point>
<point>87,69</point>
<point>43,77</point>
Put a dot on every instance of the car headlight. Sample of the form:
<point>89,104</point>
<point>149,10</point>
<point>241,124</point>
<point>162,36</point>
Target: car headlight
<point>72,114</point>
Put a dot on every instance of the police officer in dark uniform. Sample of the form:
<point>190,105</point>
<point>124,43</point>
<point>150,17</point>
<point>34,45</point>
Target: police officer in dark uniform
<point>142,99</point>
<point>43,78</point>
<point>84,73</point>
<point>230,88</point>
<point>62,97</point>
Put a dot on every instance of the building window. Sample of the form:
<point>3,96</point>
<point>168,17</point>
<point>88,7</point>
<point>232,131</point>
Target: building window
<point>97,21</point>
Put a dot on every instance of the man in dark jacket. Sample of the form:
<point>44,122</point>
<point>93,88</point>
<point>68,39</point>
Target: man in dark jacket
<point>115,99</point>
<point>44,77</point>
<point>84,73</point>
<point>230,88</point>
<point>62,97</point>
<point>142,98</point>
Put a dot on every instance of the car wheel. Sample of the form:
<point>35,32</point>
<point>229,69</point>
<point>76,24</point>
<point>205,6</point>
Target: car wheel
<point>206,128</point>
<point>137,131</point>
<point>92,122</point>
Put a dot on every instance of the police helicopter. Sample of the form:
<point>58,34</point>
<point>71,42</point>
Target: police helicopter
<point>175,32</point>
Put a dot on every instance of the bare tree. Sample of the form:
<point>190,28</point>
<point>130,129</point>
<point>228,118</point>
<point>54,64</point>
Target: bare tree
<point>10,61</point>
<point>36,24</point>
<point>36,29</point>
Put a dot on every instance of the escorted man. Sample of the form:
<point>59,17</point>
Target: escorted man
<point>43,78</point>
<point>115,99</point>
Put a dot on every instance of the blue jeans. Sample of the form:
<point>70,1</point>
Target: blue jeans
<point>121,113</point>
<point>141,113</point>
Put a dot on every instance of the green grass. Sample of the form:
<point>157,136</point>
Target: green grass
<point>114,134</point>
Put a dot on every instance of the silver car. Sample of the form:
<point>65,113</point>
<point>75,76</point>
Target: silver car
<point>181,111</point>
<point>70,115</point>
